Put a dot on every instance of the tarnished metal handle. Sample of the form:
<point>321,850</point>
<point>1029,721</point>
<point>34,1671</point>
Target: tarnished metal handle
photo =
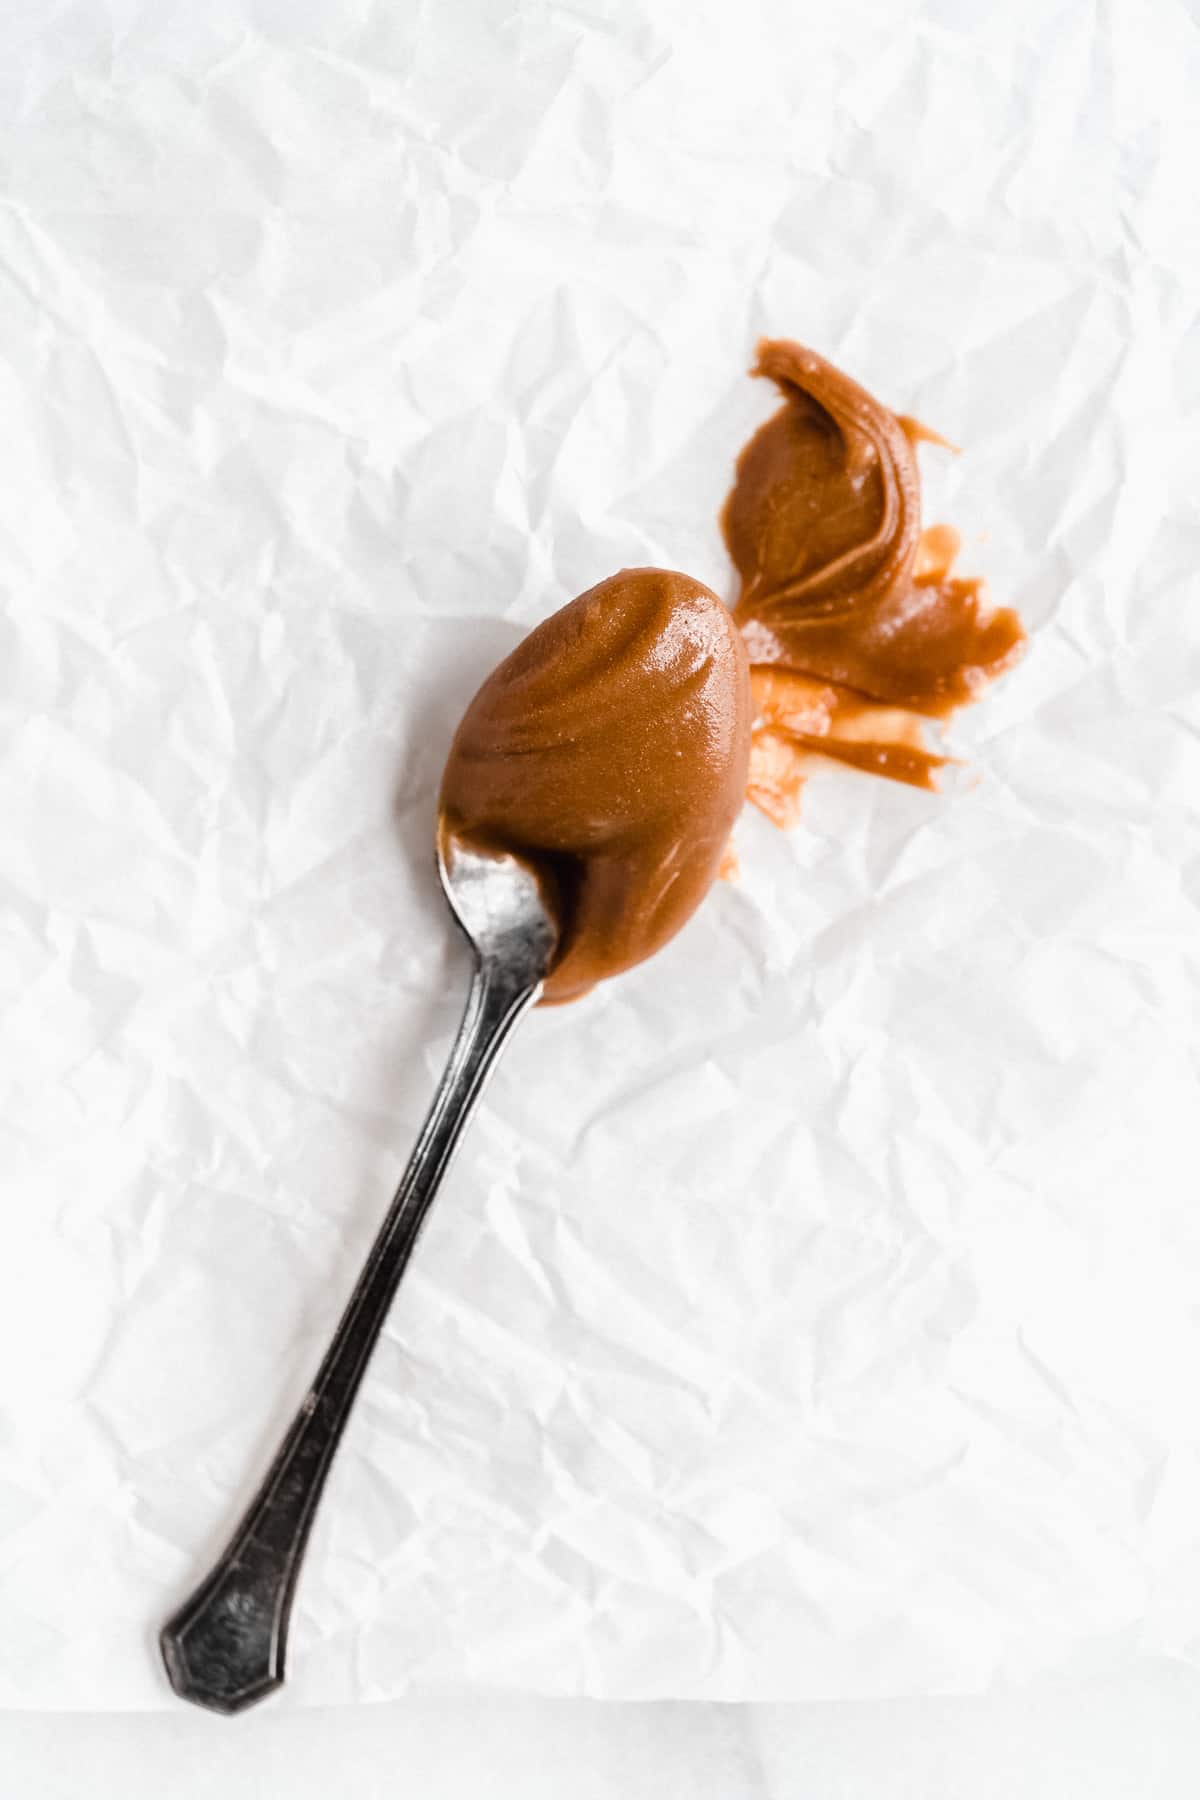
<point>226,1646</point>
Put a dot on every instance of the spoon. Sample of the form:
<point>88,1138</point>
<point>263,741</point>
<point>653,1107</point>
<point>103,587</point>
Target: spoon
<point>226,1647</point>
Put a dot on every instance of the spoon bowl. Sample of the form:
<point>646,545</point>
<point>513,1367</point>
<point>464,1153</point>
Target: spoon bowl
<point>500,904</point>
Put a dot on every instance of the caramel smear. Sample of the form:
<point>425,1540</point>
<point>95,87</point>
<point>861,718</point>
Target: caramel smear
<point>858,632</point>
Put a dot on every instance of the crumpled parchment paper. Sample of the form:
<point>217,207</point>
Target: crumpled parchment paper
<point>815,1311</point>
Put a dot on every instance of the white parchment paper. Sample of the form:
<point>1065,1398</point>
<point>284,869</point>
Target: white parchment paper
<point>815,1311</point>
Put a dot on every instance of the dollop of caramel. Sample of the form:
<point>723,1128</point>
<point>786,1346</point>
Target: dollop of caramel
<point>610,751</point>
<point>856,628</point>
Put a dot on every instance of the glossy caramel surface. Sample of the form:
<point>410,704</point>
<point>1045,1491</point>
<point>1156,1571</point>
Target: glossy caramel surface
<point>610,751</point>
<point>856,628</point>
<point>824,527</point>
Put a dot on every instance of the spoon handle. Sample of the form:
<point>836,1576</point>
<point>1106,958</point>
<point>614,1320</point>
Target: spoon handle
<point>226,1646</point>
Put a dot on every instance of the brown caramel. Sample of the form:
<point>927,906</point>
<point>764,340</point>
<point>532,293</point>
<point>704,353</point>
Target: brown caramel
<point>856,628</point>
<point>610,751</point>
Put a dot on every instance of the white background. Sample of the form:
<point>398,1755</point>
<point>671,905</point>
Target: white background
<point>338,313</point>
<point>1135,1739</point>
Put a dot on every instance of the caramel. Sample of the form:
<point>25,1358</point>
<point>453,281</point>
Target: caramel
<point>855,626</point>
<point>610,751</point>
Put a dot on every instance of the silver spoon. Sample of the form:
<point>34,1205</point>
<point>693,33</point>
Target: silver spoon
<point>226,1646</point>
